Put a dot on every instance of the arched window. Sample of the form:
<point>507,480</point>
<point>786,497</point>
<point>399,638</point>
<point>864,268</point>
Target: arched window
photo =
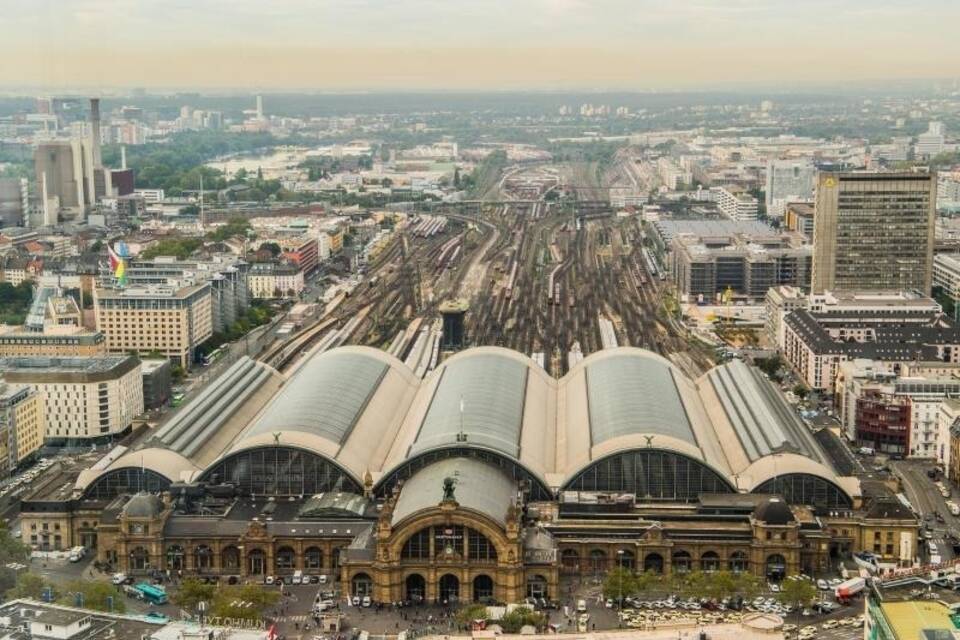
<point>651,474</point>
<point>449,541</point>
<point>280,471</point>
<point>256,562</point>
<point>682,562</point>
<point>286,558</point>
<point>139,559</point>
<point>653,563</point>
<point>739,562</point>
<point>626,559</point>
<point>175,561</point>
<point>480,548</point>
<point>710,561</point>
<point>808,490</point>
<point>230,559</point>
<point>203,557</point>
<point>313,558</point>
<point>126,480</point>
<point>776,567</point>
<point>417,546</point>
<point>570,559</point>
<point>482,588</point>
<point>361,585</point>
<point>598,560</point>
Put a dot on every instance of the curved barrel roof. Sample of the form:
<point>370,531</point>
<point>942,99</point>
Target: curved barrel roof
<point>367,412</point>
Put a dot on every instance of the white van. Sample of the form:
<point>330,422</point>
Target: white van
<point>298,577</point>
<point>581,606</point>
<point>77,554</point>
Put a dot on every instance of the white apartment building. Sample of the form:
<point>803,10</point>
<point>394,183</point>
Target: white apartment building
<point>275,280</point>
<point>788,181</point>
<point>735,203</point>
<point>930,143</point>
<point>84,398</point>
<point>948,190</point>
<point>946,274</point>
<point>779,302</point>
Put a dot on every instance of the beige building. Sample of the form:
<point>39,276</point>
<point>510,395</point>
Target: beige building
<point>53,341</point>
<point>874,231</point>
<point>156,318</point>
<point>21,425</point>
<point>275,280</point>
<point>84,398</point>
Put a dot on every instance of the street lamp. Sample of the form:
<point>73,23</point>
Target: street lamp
<point>620,581</point>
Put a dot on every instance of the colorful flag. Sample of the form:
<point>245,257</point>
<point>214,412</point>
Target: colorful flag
<point>118,265</point>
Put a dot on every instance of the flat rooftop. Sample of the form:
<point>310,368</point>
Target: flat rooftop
<point>670,229</point>
<point>908,619</point>
<point>48,364</point>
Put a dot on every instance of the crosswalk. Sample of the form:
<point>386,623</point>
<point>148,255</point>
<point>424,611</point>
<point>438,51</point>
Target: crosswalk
<point>292,619</point>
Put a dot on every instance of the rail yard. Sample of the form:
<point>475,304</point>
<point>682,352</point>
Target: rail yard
<point>555,279</point>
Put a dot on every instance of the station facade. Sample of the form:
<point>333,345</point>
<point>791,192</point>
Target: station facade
<point>488,480</point>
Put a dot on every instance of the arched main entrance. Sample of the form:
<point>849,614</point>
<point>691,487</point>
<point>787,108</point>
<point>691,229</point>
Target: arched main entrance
<point>449,592</point>
<point>415,588</point>
<point>361,585</point>
<point>482,588</point>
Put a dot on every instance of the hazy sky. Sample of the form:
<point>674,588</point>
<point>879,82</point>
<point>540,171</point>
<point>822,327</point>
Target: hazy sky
<point>474,44</point>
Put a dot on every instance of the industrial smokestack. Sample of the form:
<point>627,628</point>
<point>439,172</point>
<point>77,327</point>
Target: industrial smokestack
<point>95,132</point>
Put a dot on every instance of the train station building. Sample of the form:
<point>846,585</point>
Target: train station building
<point>487,479</point>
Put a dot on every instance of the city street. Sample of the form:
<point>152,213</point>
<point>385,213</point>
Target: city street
<point>925,498</point>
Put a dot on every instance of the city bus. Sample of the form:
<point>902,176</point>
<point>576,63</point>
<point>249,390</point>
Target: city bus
<point>152,593</point>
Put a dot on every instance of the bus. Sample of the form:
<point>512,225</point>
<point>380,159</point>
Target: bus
<point>152,593</point>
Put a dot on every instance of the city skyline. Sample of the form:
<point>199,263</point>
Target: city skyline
<point>423,44</point>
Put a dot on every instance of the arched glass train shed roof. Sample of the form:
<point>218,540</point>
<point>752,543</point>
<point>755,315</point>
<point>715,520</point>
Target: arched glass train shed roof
<point>623,419</point>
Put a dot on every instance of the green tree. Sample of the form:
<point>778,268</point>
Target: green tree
<point>798,592</point>
<point>619,583</point>
<point>11,551</point>
<point>28,585</point>
<point>467,614</point>
<point>191,592</point>
<point>182,248</point>
<point>99,596</point>
<point>800,390</point>
<point>520,617</point>
<point>234,227</point>
<point>272,247</point>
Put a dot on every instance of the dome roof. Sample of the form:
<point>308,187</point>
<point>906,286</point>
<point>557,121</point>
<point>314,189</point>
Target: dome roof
<point>143,505</point>
<point>773,511</point>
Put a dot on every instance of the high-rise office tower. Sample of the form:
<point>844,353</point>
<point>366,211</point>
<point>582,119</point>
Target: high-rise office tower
<point>259,107</point>
<point>873,231</point>
<point>788,181</point>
